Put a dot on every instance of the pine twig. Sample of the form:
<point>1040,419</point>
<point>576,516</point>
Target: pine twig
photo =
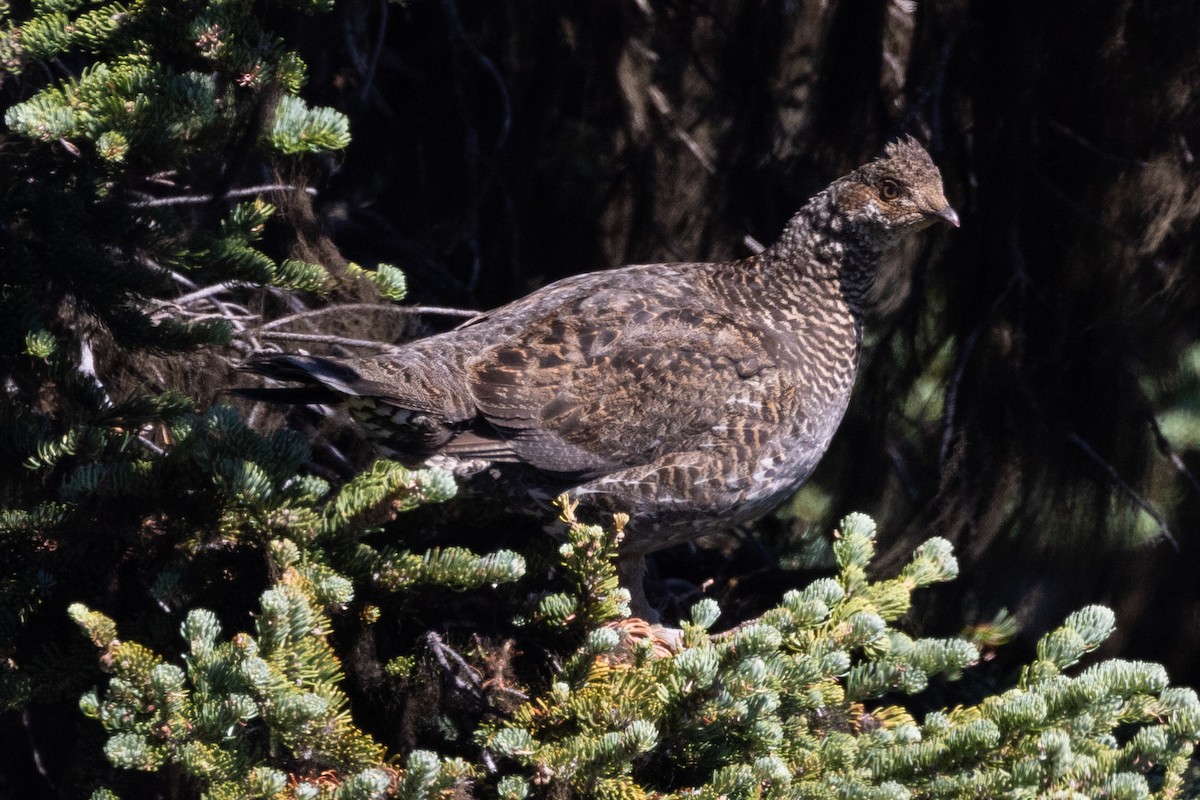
<point>200,199</point>
<point>316,312</point>
<point>324,339</point>
<point>207,291</point>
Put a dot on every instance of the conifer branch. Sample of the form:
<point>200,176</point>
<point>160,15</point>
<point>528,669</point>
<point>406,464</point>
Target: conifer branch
<point>323,338</point>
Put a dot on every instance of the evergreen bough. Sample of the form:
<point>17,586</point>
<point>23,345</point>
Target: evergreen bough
<point>786,705</point>
<point>781,707</point>
<point>142,140</point>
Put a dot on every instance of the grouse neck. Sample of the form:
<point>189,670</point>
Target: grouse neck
<point>821,243</point>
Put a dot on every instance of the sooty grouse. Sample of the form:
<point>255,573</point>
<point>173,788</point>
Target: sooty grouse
<point>691,396</point>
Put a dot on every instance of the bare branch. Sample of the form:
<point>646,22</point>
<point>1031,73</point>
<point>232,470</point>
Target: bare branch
<point>324,339</point>
<point>1140,501</point>
<point>663,106</point>
<point>466,678</point>
<point>316,312</point>
<point>198,199</point>
<point>1168,451</point>
<point>951,402</point>
<point>207,291</point>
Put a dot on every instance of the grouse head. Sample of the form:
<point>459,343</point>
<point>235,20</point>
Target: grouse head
<point>895,195</point>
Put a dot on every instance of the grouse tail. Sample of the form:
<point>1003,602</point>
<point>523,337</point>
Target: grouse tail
<point>325,381</point>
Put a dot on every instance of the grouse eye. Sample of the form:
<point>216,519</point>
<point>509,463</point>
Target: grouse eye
<point>889,190</point>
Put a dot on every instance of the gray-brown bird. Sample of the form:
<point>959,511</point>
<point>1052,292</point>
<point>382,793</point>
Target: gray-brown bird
<point>691,396</point>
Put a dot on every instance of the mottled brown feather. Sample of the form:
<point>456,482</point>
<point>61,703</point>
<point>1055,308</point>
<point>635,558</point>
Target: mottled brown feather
<point>690,396</point>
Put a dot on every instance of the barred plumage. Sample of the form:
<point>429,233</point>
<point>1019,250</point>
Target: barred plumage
<point>690,396</point>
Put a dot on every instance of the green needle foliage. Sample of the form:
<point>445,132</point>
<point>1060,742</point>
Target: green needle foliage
<point>120,155</point>
<point>138,137</point>
<point>784,706</point>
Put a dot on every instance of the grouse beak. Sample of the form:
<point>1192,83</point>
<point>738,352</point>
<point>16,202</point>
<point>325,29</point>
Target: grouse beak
<point>948,214</point>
